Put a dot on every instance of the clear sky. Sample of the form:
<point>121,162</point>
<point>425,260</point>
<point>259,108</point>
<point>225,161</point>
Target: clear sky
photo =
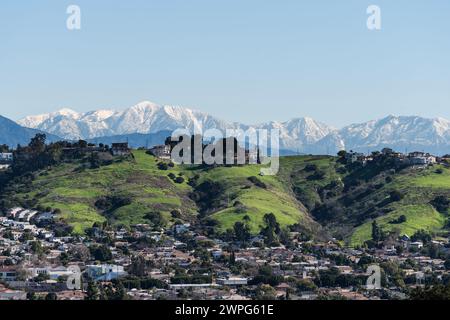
<point>243,60</point>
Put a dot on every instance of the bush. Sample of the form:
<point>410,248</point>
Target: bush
<point>441,203</point>
<point>171,176</point>
<point>399,220</point>
<point>163,166</point>
<point>257,182</point>
<point>179,180</point>
<point>396,195</point>
<point>176,214</point>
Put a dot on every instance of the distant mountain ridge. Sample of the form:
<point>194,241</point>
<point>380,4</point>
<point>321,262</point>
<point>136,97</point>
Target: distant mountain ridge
<point>13,134</point>
<point>300,135</point>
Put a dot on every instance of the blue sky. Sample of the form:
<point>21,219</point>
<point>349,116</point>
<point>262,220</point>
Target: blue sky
<point>243,60</point>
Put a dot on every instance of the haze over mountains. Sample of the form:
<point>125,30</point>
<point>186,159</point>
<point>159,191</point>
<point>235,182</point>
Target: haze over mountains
<point>300,135</point>
<point>13,134</point>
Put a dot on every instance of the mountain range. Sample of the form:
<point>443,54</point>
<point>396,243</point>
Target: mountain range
<point>146,120</point>
<point>13,134</point>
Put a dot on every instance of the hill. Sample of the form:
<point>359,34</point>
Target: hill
<point>345,199</point>
<point>13,134</point>
<point>131,190</point>
<point>318,195</point>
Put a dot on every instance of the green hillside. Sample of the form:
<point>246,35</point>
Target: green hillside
<point>320,194</point>
<point>254,201</point>
<point>418,217</point>
<point>76,191</point>
<point>345,198</point>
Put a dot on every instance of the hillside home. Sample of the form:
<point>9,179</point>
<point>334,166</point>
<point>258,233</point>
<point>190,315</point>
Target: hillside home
<point>161,152</point>
<point>232,281</point>
<point>6,157</point>
<point>8,274</point>
<point>420,159</point>
<point>105,272</point>
<point>120,149</point>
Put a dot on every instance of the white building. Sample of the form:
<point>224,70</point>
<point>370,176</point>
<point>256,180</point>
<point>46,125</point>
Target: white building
<point>162,152</point>
<point>105,272</point>
<point>232,281</point>
<point>6,157</point>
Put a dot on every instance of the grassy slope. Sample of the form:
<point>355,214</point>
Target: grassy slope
<point>276,198</point>
<point>292,173</point>
<point>419,187</point>
<point>422,216</point>
<point>75,192</point>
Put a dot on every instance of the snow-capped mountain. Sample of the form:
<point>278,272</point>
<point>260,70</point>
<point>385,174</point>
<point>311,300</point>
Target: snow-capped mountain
<point>300,134</point>
<point>400,133</point>
<point>145,117</point>
<point>303,135</point>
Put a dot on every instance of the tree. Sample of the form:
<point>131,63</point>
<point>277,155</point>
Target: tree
<point>138,266</point>
<point>156,219</point>
<point>396,195</point>
<point>241,231</point>
<point>441,203</point>
<point>376,232</point>
<point>101,253</point>
<point>447,264</point>
<point>271,230</point>
<point>92,292</point>
<point>51,296</point>
<point>342,154</point>
<point>421,235</point>
<point>37,144</point>
<point>41,277</point>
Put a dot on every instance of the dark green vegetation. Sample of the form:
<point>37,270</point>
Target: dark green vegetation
<point>309,192</point>
<point>347,198</point>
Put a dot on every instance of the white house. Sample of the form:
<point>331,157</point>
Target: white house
<point>232,281</point>
<point>105,272</point>
<point>6,157</point>
<point>162,152</point>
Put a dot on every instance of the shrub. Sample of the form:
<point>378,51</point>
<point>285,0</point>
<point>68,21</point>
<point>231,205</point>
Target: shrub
<point>163,166</point>
<point>179,180</point>
<point>257,182</point>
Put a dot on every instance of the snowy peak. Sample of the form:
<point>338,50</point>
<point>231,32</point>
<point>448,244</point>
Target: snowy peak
<point>304,135</point>
<point>144,117</point>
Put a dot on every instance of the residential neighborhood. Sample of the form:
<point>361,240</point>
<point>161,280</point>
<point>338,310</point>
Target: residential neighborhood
<point>180,263</point>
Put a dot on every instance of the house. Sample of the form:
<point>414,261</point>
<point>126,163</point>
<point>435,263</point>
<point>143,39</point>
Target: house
<point>420,159</point>
<point>161,152</point>
<point>416,245</point>
<point>6,294</point>
<point>232,281</point>
<point>120,149</point>
<point>105,272</point>
<point>8,274</point>
<point>52,273</point>
<point>6,157</point>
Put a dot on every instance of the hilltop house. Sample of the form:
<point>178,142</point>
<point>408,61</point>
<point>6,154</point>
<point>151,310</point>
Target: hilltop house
<point>161,152</point>
<point>120,149</point>
<point>420,159</point>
